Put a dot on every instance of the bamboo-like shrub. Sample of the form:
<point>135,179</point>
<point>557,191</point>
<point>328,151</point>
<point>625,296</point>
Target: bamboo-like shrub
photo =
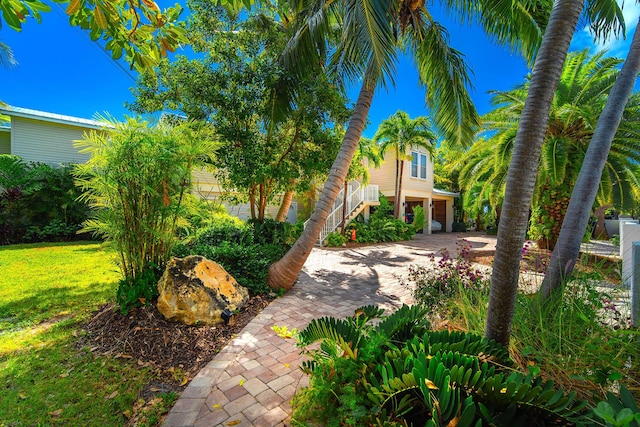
<point>135,182</point>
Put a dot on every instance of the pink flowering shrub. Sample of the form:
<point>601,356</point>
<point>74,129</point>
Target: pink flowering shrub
<point>444,277</point>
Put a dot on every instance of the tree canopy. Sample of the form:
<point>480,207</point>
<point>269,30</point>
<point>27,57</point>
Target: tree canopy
<point>271,143</point>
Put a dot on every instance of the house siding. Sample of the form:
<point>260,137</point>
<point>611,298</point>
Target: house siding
<point>5,141</point>
<point>204,184</point>
<point>45,142</point>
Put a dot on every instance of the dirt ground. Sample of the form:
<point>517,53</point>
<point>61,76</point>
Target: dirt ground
<point>177,352</point>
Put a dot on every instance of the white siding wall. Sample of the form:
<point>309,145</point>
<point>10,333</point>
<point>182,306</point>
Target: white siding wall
<point>52,143</point>
<point>206,185</point>
<point>5,141</point>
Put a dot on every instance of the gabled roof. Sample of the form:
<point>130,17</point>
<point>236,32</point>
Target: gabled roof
<point>52,117</point>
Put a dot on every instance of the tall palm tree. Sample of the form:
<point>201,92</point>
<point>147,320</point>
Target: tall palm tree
<point>605,16</point>
<point>580,99</point>
<point>399,133</point>
<point>370,34</point>
<point>608,129</point>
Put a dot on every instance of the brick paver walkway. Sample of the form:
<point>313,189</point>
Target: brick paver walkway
<point>252,380</point>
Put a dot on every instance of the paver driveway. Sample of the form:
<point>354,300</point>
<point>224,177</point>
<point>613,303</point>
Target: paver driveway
<point>252,380</point>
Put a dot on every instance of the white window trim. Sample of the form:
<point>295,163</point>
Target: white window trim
<point>420,156</point>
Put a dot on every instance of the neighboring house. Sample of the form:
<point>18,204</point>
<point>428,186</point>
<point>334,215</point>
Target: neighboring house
<point>42,137</point>
<point>417,188</point>
<point>38,136</point>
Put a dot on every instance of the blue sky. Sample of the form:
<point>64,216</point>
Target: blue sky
<point>61,71</point>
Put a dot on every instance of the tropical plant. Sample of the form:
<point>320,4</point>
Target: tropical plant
<point>605,17</point>
<point>370,34</point>
<point>400,133</point>
<point>271,144</point>
<point>436,283</point>
<point>135,180</point>
<point>38,202</point>
<point>419,218</point>
<point>607,130</point>
<point>400,372</point>
<point>585,81</point>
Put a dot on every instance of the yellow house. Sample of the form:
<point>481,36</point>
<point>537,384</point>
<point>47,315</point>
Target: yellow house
<point>417,189</point>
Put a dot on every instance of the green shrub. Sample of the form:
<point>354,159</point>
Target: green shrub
<point>459,227</point>
<point>142,290</point>
<point>395,371</point>
<point>335,239</point>
<point>440,280</point>
<point>136,179</point>
<point>246,251</point>
<point>419,218</point>
<point>38,202</point>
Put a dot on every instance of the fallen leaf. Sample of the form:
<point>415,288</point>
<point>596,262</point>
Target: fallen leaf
<point>233,423</point>
<point>65,375</point>
<point>430,384</point>
<point>286,365</point>
<point>185,380</point>
<point>216,406</point>
<point>127,413</point>
<point>56,414</point>
<point>113,395</point>
<point>503,390</point>
<point>241,382</point>
<point>22,396</point>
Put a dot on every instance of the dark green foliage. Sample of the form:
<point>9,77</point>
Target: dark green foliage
<point>246,251</point>
<point>38,202</point>
<point>399,372</point>
<point>619,411</point>
<point>382,227</point>
<point>139,291</point>
<point>459,227</point>
<point>335,239</point>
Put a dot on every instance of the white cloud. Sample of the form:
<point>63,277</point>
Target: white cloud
<point>614,46</point>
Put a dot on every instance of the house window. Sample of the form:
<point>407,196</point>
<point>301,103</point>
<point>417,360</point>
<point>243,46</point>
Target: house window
<point>418,165</point>
<point>414,164</point>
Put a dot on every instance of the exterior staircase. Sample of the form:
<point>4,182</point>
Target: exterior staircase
<point>358,198</point>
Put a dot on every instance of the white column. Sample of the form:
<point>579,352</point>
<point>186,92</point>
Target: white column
<point>629,233</point>
<point>635,286</point>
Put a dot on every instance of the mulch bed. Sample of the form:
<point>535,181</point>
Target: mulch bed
<point>177,351</point>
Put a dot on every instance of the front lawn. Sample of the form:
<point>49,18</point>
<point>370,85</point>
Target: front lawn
<point>46,292</point>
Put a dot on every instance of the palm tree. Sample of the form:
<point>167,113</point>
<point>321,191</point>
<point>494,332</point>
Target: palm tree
<point>400,132</point>
<point>607,131</point>
<point>370,33</point>
<point>523,169</point>
<point>7,59</point>
<point>577,104</point>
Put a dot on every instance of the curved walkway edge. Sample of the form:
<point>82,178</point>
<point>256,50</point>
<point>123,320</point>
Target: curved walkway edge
<point>252,380</point>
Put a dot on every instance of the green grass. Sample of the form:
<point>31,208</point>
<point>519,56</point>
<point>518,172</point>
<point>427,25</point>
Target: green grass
<point>46,292</point>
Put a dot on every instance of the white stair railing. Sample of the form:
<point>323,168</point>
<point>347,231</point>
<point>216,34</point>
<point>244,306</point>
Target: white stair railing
<point>356,195</point>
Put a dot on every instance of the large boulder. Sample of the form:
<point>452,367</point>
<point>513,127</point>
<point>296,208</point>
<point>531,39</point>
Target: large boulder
<point>197,290</point>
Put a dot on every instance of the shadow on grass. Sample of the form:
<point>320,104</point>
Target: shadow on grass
<point>35,308</point>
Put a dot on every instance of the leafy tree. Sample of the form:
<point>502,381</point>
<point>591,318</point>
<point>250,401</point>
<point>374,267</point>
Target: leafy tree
<point>370,34</point>
<point>399,133</point>
<point>577,104</point>
<point>605,16</point>
<point>268,148</point>
<point>135,180</point>
<point>138,30</point>
<point>609,128</point>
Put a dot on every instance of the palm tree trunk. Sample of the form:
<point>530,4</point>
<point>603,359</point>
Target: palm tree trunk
<point>523,168</point>
<point>400,187</point>
<point>284,206</point>
<point>283,273</point>
<point>575,222</point>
